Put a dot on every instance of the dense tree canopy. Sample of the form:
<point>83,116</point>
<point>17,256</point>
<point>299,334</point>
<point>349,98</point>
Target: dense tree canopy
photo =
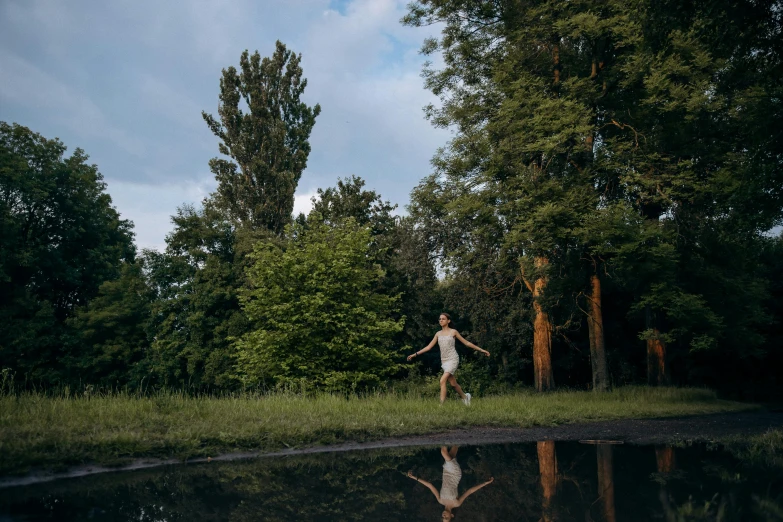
<point>268,145</point>
<point>61,239</point>
<point>610,139</point>
<point>198,278</point>
<point>317,320</point>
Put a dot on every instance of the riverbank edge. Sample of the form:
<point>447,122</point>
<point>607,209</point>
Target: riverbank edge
<point>710,428</point>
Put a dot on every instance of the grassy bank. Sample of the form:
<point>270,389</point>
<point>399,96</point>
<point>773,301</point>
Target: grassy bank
<point>39,431</point>
<point>764,450</point>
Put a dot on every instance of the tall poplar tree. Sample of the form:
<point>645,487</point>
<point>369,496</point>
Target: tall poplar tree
<point>268,144</point>
<point>264,128</point>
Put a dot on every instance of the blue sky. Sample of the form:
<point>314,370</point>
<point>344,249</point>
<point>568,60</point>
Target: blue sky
<point>126,81</point>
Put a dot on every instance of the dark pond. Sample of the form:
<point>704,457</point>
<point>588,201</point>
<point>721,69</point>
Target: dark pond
<point>540,481</point>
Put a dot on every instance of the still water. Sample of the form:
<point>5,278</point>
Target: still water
<point>561,481</point>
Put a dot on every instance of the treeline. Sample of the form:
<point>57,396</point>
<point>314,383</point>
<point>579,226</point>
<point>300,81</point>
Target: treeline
<point>620,163</point>
<point>602,216</point>
<point>243,296</point>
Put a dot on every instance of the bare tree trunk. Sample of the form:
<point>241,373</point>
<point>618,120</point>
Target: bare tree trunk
<point>606,481</point>
<point>542,336</point>
<point>657,371</point>
<point>656,362</point>
<point>595,324</point>
<point>547,465</point>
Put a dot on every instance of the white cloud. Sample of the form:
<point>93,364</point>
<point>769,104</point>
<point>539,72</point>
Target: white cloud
<point>303,203</point>
<point>363,67</point>
<point>150,206</point>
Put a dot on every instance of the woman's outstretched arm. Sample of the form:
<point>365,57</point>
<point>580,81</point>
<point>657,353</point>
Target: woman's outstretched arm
<point>426,348</point>
<point>474,489</point>
<point>470,344</point>
<point>429,485</point>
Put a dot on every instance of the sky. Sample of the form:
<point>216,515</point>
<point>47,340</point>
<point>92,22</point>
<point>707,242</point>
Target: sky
<point>126,81</point>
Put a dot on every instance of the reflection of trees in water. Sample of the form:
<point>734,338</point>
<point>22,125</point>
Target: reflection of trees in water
<point>547,467</point>
<point>664,459</point>
<point>604,454</point>
<point>561,482</point>
<point>324,487</point>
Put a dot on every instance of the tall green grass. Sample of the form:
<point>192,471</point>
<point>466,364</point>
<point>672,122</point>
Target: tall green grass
<point>762,450</point>
<point>45,431</point>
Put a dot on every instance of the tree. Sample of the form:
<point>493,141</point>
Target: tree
<point>268,144</point>
<point>397,245</point>
<point>570,115</point>
<point>199,276</point>
<point>316,319</point>
<point>112,332</point>
<point>196,281</point>
<point>520,130</point>
<point>349,199</point>
<point>61,240</point>
<point>683,149</point>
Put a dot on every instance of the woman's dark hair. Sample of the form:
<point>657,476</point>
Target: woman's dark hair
<point>451,325</point>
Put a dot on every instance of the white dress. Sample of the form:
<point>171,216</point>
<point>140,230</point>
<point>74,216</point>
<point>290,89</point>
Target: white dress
<point>449,360</point>
<point>452,474</point>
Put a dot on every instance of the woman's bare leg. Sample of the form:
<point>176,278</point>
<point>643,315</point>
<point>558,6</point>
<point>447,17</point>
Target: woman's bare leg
<point>447,456</point>
<point>443,380</point>
<point>453,452</point>
<point>456,386</point>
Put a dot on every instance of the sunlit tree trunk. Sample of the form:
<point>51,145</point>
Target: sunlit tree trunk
<point>542,335</point>
<point>595,324</point>
<point>606,482</point>
<point>547,465</point>
<point>657,371</point>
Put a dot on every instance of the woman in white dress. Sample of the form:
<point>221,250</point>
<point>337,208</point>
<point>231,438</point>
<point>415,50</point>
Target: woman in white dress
<point>448,496</point>
<point>449,359</point>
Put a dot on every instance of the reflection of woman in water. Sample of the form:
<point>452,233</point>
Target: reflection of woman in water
<point>452,474</point>
<point>449,358</point>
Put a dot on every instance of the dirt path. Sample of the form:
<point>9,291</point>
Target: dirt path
<point>704,428</point>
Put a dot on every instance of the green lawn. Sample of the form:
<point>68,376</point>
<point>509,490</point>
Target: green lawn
<point>39,431</point>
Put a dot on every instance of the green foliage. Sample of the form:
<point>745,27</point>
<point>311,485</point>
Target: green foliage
<point>397,245</point>
<point>198,278</point>
<point>196,310</point>
<point>613,138</point>
<point>316,319</point>
<point>268,144</point>
<point>61,239</point>
<point>349,199</point>
<point>113,331</point>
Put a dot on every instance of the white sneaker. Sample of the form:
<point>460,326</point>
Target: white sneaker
<point>466,400</point>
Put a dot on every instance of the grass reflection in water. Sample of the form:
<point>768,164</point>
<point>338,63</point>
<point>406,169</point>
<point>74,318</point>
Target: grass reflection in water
<point>557,481</point>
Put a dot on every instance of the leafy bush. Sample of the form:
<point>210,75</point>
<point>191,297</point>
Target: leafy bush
<point>317,321</point>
